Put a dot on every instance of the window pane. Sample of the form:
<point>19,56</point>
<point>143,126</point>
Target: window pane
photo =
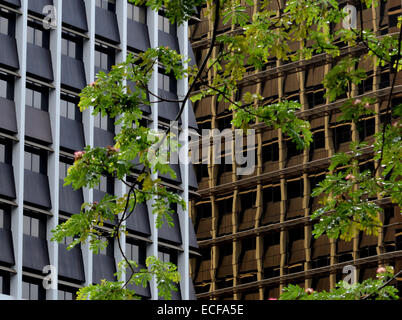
<point>25,290</point>
<point>63,108</point>
<point>28,97</point>
<point>3,25</point>
<point>35,164</point>
<point>2,153</point>
<point>37,100</point>
<point>64,47</point>
<point>1,220</point>
<point>34,227</point>
<point>3,88</point>
<point>34,292</point>
<point>27,225</point>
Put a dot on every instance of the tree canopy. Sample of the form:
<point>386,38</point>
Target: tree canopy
<point>300,30</point>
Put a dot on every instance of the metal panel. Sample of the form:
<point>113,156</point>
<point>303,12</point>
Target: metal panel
<point>138,220</point>
<point>39,62</point>
<point>168,40</point>
<point>72,73</point>
<point>70,200</point>
<point>71,134</point>
<point>37,125</point>
<point>74,14</point>
<point>38,5</point>
<point>103,138</point>
<point>35,253</point>
<point>71,265</point>
<point>106,26</point>
<point>8,119</point>
<point>6,247</point>
<point>8,52</point>
<point>7,186</point>
<point>137,37</point>
<point>36,189</point>
<point>171,234</point>
<point>103,268</point>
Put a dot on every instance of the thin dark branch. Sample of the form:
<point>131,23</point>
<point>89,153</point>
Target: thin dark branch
<point>383,286</point>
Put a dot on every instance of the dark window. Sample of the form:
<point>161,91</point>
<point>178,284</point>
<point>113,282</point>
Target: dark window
<point>32,289</point>
<point>109,250</point>
<point>318,140</point>
<point>315,96</point>
<point>6,86</point>
<point>292,150</point>
<point>101,122</point>
<point>272,194</point>
<point>64,164</point>
<point>69,108</point>
<point>4,282</point>
<point>342,134</point>
<point>5,151</point>
<point>295,189</point>
<point>35,160</point>
<point>165,25</point>
<point>225,122</point>
<point>104,57</point>
<point>366,128</point>
<point>37,35</point>
<point>270,152</point>
<point>166,82</point>
<point>136,252</point>
<point>136,13</point>
<point>5,218</point>
<point>37,96</point>
<point>71,45</point>
<point>66,294</point>
<point>106,184</point>
<point>107,4</point>
<point>34,226</point>
<point>166,255</point>
<point>7,23</point>
<point>366,84</point>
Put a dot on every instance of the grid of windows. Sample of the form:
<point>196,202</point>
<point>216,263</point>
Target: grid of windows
<point>101,122</point>
<point>136,13</point>
<point>66,295</point>
<point>135,251</point>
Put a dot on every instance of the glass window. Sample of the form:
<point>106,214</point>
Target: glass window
<point>66,295</point>
<point>104,57</point>
<point>101,122</point>
<point>163,82</point>
<point>5,218</point>
<point>72,46</point>
<point>135,251</point>
<point>63,168</point>
<point>69,108</point>
<point>3,25</point>
<point>32,162</point>
<point>3,88</point>
<point>32,290</point>
<point>37,36</point>
<point>36,97</point>
<point>31,226</point>
<point>136,13</point>
<point>4,282</point>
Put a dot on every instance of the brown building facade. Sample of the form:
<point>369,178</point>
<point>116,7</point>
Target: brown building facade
<point>255,232</point>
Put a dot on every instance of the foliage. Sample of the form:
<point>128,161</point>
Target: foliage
<point>371,289</point>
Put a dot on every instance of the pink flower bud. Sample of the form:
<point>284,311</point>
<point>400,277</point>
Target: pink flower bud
<point>78,155</point>
<point>357,101</point>
<point>381,270</point>
<point>309,290</point>
<point>272,299</point>
<point>350,176</point>
<point>367,105</point>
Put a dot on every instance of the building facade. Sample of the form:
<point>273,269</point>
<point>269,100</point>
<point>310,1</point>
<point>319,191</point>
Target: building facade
<point>49,51</point>
<point>254,232</point>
